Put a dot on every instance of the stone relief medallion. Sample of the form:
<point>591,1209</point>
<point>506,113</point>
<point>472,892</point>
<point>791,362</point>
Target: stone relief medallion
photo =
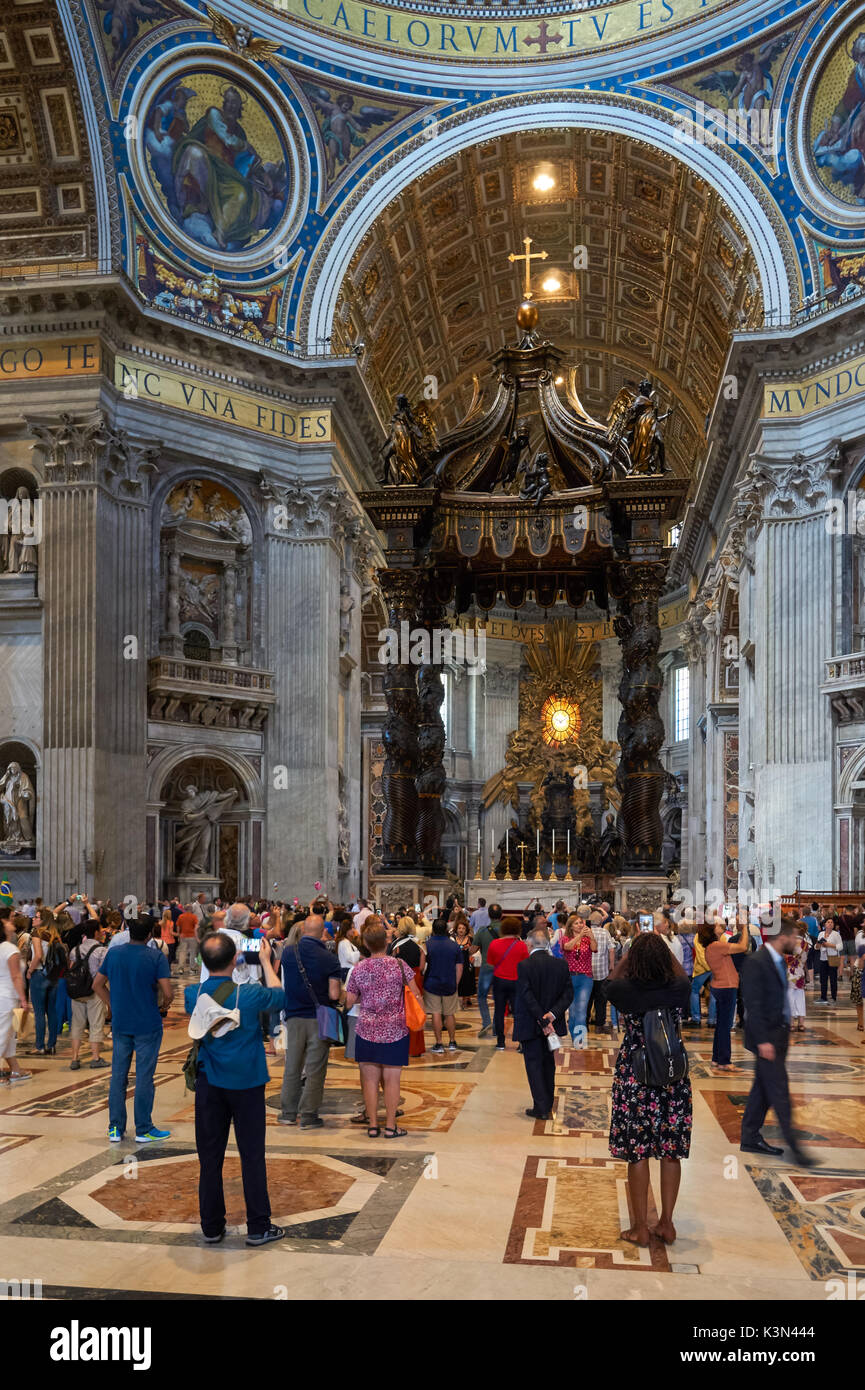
<point>217,160</point>
<point>828,114</point>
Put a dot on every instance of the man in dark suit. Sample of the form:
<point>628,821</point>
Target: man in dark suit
<point>767,1035</point>
<point>544,992</point>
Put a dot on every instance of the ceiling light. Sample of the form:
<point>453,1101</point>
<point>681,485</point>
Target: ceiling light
<point>543,182</point>
<point>551,284</point>
<point>560,381</point>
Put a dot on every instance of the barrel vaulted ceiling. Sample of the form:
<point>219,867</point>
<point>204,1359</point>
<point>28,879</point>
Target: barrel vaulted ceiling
<point>47,211</point>
<point>668,277</point>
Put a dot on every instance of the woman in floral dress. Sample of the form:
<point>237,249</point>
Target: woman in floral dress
<point>648,1121</point>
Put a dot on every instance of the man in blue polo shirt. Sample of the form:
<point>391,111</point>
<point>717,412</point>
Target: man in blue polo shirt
<point>444,968</point>
<point>229,1088</point>
<point>311,976</point>
<point>139,981</point>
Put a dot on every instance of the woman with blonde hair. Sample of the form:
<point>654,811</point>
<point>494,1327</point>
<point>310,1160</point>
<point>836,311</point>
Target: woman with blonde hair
<point>408,949</point>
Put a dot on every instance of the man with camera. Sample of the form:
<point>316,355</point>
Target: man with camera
<point>229,1088</point>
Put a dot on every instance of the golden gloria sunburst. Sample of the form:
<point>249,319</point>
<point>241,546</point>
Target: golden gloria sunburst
<point>560,721</point>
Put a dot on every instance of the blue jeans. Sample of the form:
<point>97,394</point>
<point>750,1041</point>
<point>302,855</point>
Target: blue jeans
<point>582,985</point>
<point>697,984</point>
<point>725,1004</point>
<point>485,984</point>
<point>42,996</point>
<point>146,1048</point>
<point>62,1005</point>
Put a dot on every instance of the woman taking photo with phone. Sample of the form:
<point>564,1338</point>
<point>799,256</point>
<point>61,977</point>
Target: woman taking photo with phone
<point>724,988</point>
<point>578,942</point>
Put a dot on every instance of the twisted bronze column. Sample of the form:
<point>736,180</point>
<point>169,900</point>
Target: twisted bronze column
<point>430,781</point>
<point>640,775</point>
<point>399,832</point>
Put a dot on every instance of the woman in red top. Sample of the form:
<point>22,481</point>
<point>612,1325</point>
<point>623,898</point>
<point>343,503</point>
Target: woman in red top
<point>578,943</point>
<point>504,955</point>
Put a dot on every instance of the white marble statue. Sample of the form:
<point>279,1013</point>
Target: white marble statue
<point>200,811</point>
<point>18,802</point>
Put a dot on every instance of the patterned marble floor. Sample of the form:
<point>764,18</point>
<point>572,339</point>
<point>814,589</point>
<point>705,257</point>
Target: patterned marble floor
<point>478,1196</point>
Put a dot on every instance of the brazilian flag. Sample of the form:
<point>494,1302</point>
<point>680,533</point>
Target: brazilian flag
<point>6,899</point>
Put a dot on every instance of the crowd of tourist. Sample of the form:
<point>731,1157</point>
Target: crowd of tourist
<point>294,980</point>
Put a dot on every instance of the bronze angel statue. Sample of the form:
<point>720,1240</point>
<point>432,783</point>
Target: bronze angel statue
<point>240,38</point>
<point>634,421</point>
<point>412,445</point>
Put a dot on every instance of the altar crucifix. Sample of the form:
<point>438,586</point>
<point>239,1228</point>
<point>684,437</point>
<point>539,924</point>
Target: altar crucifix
<point>528,257</point>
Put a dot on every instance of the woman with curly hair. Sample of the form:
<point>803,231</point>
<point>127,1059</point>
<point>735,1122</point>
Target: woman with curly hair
<point>648,1121</point>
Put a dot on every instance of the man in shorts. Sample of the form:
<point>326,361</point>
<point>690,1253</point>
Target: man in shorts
<point>444,966</point>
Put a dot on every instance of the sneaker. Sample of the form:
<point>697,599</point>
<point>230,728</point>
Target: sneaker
<point>20,1076</point>
<point>500,1047</point>
<point>272,1233</point>
<point>114,1135</point>
<point>308,1122</point>
<point>486,1031</point>
<point>153,1136</point>
<point>286,1119</point>
<point>214,1240</point>
<point>437,1050</point>
<point>452,1047</point>
<point>75,1066</point>
<point>98,1064</point>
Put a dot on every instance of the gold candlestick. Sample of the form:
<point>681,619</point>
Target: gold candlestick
<point>492,872</point>
<point>522,850</point>
<point>567,878</point>
<point>538,878</point>
<point>479,868</point>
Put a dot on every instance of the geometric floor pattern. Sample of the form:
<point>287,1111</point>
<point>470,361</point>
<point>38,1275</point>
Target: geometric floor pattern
<point>477,1196</point>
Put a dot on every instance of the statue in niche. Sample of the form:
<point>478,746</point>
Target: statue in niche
<point>343,835</point>
<point>18,802</point>
<point>408,453</point>
<point>671,820</point>
<point>19,541</point>
<point>193,840</point>
<point>346,608</point>
<point>536,480</point>
<point>517,446</point>
<point>611,847</point>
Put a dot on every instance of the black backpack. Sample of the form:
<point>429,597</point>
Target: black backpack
<point>663,1060</point>
<point>79,982</point>
<point>55,962</point>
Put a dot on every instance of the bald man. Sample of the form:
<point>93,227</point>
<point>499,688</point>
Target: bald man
<point>311,976</point>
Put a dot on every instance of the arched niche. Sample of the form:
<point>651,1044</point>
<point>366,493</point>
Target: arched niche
<point>206,573</point>
<point>205,825</point>
<point>20,522</point>
<point>19,782</point>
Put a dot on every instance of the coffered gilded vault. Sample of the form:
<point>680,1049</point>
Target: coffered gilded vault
<point>668,275</point>
<point>47,211</point>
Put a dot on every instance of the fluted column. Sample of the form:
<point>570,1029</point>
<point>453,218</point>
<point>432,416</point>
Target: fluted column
<point>229,613</point>
<point>430,780</point>
<point>92,796</point>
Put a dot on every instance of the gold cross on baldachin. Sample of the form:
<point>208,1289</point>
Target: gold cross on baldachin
<point>528,258</point>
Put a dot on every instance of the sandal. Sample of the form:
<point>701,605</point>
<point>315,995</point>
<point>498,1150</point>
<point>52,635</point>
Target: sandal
<point>374,1131</point>
<point>396,1133</point>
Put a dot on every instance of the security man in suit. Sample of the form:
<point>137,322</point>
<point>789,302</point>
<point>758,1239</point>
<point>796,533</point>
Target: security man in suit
<point>544,992</point>
<point>767,1035</point>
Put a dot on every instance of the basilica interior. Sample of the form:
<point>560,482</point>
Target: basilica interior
<point>432,438</point>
